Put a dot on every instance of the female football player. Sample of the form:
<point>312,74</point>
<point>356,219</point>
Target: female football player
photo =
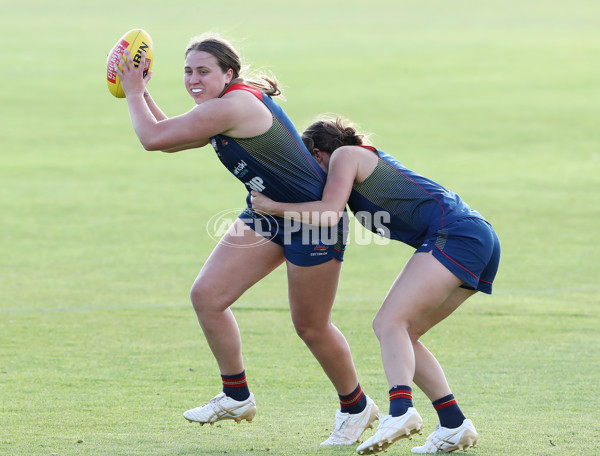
<point>257,142</point>
<point>457,254</point>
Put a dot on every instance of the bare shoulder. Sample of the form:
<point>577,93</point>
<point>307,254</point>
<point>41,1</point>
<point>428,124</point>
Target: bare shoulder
<point>346,153</point>
<point>251,116</point>
<point>363,160</point>
<point>357,154</point>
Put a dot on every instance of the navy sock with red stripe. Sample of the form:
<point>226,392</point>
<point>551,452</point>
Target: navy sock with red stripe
<point>236,386</point>
<point>400,399</point>
<point>355,402</point>
<point>449,412</point>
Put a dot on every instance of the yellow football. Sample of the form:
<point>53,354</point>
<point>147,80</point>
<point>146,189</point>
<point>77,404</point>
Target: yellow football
<point>137,41</point>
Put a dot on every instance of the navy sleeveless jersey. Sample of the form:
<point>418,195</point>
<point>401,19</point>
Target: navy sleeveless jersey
<point>398,203</point>
<point>276,162</point>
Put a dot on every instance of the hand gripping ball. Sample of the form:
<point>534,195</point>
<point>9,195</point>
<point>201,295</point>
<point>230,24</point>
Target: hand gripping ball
<point>137,41</point>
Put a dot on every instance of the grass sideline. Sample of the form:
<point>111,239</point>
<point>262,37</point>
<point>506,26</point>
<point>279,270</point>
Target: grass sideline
<point>99,348</point>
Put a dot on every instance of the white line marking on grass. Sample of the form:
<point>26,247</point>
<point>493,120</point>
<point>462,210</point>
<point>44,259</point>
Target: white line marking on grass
<point>243,304</point>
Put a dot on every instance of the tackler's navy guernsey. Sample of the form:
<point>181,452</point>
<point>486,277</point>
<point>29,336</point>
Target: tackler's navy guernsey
<point>275,163</point>
<point>400,204</point>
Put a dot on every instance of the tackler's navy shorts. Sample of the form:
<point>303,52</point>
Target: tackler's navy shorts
<point>303,245</point>
<point>470,249</point>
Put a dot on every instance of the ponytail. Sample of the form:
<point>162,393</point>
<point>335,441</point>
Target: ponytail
<point>328,135</point>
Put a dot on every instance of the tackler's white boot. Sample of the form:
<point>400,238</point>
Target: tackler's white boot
<point>390,429</point>
<point>446,440</point>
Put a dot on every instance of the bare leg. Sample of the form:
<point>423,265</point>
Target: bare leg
<point>429,375</point>
<point>410,309</point>
<point>236,263</point>
<point>424,293</point>
<point>312,292</point>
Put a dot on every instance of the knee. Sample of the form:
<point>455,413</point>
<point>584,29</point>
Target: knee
<point>384,325</point>
<point>198,297</point>
<point>205,299</point>
<point>380,325</point>
<point>309,333</point>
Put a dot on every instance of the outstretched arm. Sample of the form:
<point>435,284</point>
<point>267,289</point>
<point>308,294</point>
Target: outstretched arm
<point>159,115</point>
<point>343,168</point>
<point>157,132</point>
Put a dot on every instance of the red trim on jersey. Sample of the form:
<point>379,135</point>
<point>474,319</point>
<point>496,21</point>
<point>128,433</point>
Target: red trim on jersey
<point>239,86</point>
<point>371,148</point>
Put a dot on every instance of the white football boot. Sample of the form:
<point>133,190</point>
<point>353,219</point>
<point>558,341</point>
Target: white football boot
<point>349,427</point>
<point>446,440</point>
<point>222,407</point>
<point>390,429</point>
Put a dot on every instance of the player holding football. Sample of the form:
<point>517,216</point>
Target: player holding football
<point>257,142</point>
<point>457,254</point>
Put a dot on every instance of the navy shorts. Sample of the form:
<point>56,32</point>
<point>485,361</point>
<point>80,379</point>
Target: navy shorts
<point>470,249</point>
<point>303,245</point>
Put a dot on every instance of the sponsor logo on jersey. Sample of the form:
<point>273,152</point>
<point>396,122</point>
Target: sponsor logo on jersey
<point>321,246</point>
<point>239,167</point>
<point>256,184</point>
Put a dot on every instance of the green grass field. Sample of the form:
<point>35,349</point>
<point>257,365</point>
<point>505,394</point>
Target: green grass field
<point>100,350</point>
